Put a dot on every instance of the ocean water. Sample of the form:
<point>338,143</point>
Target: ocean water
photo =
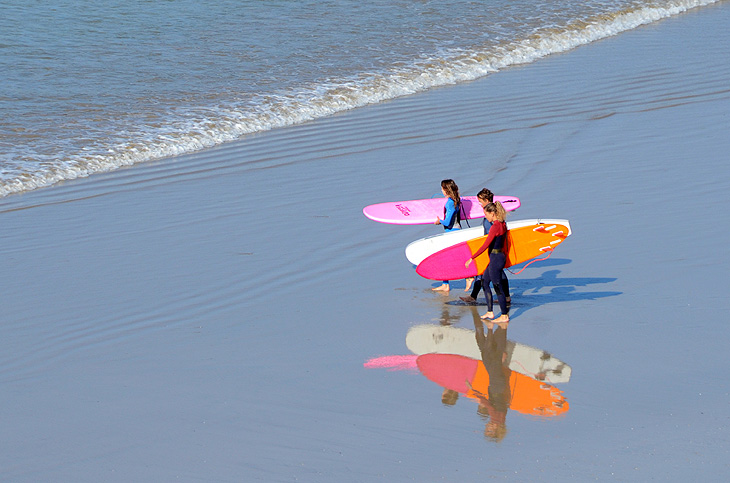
<point>90,86</point>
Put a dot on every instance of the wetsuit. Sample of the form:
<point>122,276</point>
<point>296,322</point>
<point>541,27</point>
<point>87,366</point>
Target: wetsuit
<point>451,216</point>
<point>479,283</point>
<point>496,243</point>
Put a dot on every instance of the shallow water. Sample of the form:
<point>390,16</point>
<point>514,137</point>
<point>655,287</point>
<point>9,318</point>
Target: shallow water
<point>88,87</point>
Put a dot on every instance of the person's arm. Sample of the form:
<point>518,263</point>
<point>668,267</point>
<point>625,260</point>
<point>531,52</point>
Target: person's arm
<point>450,213</point>
<point>496,230</point>
<point>490,236</point>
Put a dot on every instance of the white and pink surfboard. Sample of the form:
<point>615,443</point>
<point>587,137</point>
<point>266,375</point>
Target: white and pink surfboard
<point>423,212</point>
<point>418,250</point>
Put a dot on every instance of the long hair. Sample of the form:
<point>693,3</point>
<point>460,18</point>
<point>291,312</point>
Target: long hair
<point>497,209</point>
<point>452,191</point>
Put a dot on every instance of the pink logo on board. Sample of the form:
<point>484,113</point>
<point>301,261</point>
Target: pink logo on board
<point>403,209</point>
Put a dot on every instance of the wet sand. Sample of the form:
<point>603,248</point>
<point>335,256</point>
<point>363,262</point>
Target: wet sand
<point>208,317</point>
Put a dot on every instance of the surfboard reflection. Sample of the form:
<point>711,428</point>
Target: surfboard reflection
<point>484,366</point>
<point>444,339</point>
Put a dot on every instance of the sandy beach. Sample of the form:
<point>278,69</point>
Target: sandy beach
<point>208,317</point>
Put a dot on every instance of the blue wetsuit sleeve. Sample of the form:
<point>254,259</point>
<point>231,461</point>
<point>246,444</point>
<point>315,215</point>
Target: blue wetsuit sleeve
<point>450,216</point>
<point>486,225</point>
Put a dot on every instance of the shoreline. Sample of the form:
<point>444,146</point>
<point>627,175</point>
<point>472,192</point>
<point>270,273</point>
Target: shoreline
<point>308,104</point>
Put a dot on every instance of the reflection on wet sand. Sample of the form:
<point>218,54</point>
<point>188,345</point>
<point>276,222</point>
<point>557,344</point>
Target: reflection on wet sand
<point>530,361</point>
<point>482,368</point>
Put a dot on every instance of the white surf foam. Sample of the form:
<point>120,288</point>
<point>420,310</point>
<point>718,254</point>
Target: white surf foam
<point>201,130</point>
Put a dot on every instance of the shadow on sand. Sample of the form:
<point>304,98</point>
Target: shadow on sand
<point>548,288</point>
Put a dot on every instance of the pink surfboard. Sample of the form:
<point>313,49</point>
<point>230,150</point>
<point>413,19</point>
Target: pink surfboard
<point>423,212</point>
<point>452,371</point>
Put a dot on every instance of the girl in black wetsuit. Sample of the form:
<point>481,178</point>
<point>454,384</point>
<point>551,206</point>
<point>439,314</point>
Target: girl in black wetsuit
<point>485,197</point>
<point>496,243</point>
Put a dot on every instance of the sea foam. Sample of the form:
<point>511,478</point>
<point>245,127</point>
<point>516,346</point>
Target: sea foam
<point>205,128</point>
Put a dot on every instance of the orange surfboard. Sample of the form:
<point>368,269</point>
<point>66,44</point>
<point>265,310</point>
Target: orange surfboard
<point>524,243</point>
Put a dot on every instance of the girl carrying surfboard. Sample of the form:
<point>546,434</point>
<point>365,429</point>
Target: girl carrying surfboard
<point>485,196</point>
<point>496,243</point>
<point>452,220</point>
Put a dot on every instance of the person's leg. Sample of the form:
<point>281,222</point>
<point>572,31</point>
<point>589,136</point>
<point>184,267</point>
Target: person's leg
<point>496,270</point>
<point>475,289</point>
<point>444,287</point>
<point>487,295</point>
<point>505,285</point>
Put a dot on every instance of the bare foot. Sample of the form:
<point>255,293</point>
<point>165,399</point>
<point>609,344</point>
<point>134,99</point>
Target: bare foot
<point>468,299</point>
<point>469,281</point>
<point>488,316</point>
<point>502,319</point>
<point>443,288</point>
